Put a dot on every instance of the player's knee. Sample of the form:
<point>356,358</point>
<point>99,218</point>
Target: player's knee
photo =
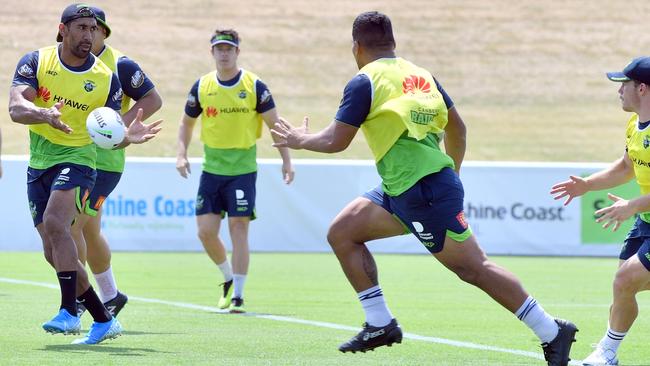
<point>205,234</point>
<point>468,275</point>
<point>337,235</point>
<point>54,229</point>
<point>623,285</point>
<point>48,257</point>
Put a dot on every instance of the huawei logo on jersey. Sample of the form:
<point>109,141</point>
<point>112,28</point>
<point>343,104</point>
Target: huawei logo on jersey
<point>43,93</point>
<point>413,83</point>
<point>211,112</point>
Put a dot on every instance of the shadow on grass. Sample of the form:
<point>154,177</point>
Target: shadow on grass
<point>112,350</point>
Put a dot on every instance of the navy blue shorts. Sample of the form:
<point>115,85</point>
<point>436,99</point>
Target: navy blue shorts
<point>104,184</point>
<point>431,209</point>
<point>221,194</point>
<point>637,242</point>
<point>63,177</point>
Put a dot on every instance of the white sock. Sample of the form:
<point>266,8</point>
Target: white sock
<point>107,286</point>
<point>374,305</point>
<point>612,340</point>
<point>238,283</point>
<point>534,316</point>
<point>226,270</point>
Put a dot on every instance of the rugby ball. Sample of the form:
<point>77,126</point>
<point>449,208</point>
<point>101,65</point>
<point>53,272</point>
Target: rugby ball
<point>105,127</point>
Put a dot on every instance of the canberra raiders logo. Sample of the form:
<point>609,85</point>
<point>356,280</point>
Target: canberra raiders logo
<point>89,85</point>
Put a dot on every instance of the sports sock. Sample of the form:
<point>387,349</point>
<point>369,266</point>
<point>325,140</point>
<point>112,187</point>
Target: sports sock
<point>94,305</point>
<point>107,286</point>
<point>68,285</point>
<point>238,283</point>
<point>374,305</point>
<point>534,316</point>
<point>226,270</point>
<point>612,340</point>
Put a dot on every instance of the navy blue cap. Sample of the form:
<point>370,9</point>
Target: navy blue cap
<point>101,19</point>
<point>72,12</point>
<point>638,69</point>
<point>224,38</point>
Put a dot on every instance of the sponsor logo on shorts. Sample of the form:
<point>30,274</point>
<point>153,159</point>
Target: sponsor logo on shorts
<point>32,209</point>
<point>62,178</point>
<point>100,202</point>
<point>239,195</point>
<point>137,79</point>
<point>85,197</point>
<point>419,228</point>
<point>647,255</point>
<point>199,202</point>
<point>429,244</point>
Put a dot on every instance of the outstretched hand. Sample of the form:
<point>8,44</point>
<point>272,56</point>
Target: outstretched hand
<point>618,212</point>
<point>52,116</point>
<point>288,136</point>
<point>139,133</point>
<point>572,188</point>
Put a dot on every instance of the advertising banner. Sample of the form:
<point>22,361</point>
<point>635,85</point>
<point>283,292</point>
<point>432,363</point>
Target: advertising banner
<point>508,206</point>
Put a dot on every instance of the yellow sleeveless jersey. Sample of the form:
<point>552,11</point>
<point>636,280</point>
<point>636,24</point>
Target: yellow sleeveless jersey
<point>229,119</point>
<point>638,149</point>
<point>405,123</point>
<point>80,93</point>
<point>113,160</point>
<point>109,57</point>
<point>405,99</point>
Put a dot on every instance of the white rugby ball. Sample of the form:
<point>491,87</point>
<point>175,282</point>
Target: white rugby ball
<point>105,127</point>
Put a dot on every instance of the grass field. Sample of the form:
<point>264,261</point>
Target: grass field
<point>301,308</point>
<point>528,77</point>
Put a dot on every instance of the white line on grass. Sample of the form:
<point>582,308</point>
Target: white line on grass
<point>448,342</point>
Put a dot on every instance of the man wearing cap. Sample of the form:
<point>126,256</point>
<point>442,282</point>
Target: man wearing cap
<point>53,91</point>
<point>232,103</point>
<point>633,274</point>
<point>91,244</point>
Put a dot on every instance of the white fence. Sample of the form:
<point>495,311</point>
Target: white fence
<point>507,205</point>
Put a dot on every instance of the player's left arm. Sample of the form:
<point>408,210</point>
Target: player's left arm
<point>137,132</point>
<point>271,117</point>
<point>137,86</point>
<point>265,106</point>
<point>337,136</point>
<point>455,138</point>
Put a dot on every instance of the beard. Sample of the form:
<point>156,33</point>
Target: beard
<point>81,50</point>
